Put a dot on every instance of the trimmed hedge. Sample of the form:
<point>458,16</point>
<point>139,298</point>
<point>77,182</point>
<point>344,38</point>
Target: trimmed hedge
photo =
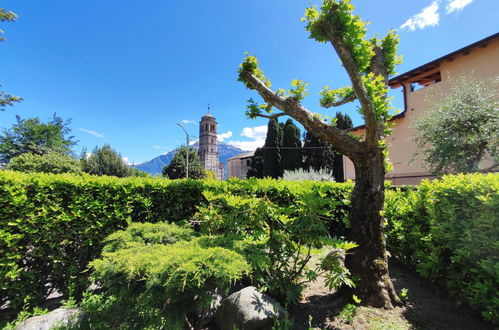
<point>52,226</point>
<point>448,231</point>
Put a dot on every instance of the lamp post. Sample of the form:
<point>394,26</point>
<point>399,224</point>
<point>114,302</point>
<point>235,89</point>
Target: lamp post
<point>187,152</point>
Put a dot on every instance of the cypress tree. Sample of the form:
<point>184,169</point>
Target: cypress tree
<point>291,152</point>
<point>319,154</point>
<point>271,152</point>
<point>256,166</point>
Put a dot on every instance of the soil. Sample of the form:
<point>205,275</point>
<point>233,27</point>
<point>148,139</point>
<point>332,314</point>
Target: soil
<point>426,307</point>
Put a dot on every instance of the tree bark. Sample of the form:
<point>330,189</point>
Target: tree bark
<point>368,262</point>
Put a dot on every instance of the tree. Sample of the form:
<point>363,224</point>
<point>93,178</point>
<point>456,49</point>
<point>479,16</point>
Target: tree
<point>461,128</point>
<point>271,152</point>
<point>7,99</point>
<point>368,64</point>
<point>343,122</point>
<point>177,167</point>
<point>291,153</point>
<point>33,136</point>
<point>51,162</point>
<point>321,155</point>
<point>107,161</point>
<point>256,166</point>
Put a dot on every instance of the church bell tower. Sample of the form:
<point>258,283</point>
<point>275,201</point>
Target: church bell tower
<point>208,150</point>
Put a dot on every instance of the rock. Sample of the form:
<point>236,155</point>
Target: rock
<point>207,314</point>
<point>58,317</point>
<point>248,309</point>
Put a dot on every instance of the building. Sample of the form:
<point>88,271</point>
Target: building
<point>479,60</point>
<point>208,145</point>
<point>239,165</point>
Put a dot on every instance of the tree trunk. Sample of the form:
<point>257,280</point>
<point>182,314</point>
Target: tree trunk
<point>368,263</point>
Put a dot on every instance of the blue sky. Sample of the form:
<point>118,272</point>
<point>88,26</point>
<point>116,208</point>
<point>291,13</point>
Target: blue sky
<point>127,71</point>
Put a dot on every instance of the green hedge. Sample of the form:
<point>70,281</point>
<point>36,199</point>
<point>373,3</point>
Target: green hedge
<point>52,226</point>
<point>448,231</point>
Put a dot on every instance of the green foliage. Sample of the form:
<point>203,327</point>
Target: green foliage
<point>147,234</point>
<point>271,152</point>
<point>256,166</point>
<point>291,153</point>
<point>461,129</point>
<point>331,96</point>
<point>151,285</point>
<point>33,136</point>
<point>448,231</point>
<point>23,316</point>
<point>5,98</point>
<point>177,167</point>
<point>300,174</point>
<point>107,161</point>
<point>51,162</point>
<point>250,64</point>
<point>52,225</point>
<point>299,91</point>
<point>279,241</point>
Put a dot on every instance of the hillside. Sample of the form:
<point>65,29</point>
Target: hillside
<point>155,165</point>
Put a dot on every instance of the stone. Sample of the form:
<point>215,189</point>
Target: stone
<point>58,317</point>
<point>248,309</point>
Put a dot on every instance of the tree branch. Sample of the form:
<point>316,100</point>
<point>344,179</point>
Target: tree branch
<point>290,106</point>
<point>280,114</point>
<point>346,100</point>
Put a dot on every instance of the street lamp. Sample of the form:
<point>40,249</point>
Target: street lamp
<point>187,152</point>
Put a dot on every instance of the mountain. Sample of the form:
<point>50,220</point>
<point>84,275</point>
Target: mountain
<point>155,165</point>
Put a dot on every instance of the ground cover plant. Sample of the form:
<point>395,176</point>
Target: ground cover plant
<point>154,276</point>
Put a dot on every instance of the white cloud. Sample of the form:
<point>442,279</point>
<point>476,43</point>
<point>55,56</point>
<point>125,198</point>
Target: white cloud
<point>257,134</point>
<point>223,136</point>
<point>185,121</point>
<point>88,155</point>
<point>126,160</point>
<point>91,132</point>
<point>429,16</point>
<point>456,5</point>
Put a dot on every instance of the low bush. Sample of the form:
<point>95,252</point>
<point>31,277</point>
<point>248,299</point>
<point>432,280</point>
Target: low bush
<point>158,284</point>
<point>51,162</point>
<point>448,231</point>
<point>277,241</point>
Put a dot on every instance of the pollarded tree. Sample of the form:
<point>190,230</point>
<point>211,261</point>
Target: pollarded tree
<point>368,62</point>
<point>343,122</point>
<point>291,155</point>
<point>460,129</point>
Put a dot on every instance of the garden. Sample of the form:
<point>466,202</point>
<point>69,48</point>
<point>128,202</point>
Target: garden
<point>154,253</point>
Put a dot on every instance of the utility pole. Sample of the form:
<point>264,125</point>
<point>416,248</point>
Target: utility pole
<point>187,152</point>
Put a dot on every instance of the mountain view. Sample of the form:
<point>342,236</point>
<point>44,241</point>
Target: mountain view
<point>155,165</point>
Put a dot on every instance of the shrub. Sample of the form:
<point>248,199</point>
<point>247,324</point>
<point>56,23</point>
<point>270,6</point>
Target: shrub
<point>152,286</point>
<point>448,231</point>
<point>300,174</point>
<point>278,242</point>
<point>51,162</point>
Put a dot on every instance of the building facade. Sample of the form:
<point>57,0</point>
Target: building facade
<point>420,87</point>
<point>208,145</point>
<point>239,165</point>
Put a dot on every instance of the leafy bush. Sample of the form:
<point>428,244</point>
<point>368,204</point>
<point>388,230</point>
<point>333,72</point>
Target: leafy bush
<point>150,285</point>
<point>51,162</point>
<point>146,234</point>
<point>278,242</point>
<point>300,174</point>
<point>448,231</point>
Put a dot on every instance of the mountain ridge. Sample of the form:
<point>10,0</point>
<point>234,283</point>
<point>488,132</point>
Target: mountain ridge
<point>155,165</point>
